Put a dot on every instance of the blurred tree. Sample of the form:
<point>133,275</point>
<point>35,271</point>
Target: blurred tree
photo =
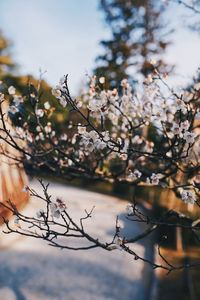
<point>6,63</point>
<point>138,35</point>
<point>27,83</point>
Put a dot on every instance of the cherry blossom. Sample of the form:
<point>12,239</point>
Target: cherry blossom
<point>188,197</point>
<point>11,90</point>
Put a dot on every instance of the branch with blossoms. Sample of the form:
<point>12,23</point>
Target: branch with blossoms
<point>55,225</point>
<point>149,138</point>
<point>109,133</point>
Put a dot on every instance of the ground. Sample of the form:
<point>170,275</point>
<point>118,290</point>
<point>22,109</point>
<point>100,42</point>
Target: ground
<point>32,270</point>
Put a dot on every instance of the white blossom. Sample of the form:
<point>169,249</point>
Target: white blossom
<point>155,178</point>
<point>180,105</point>
<point>176,129</point>
<point>96,105</point>
<point>57,208</point>
<point>188,197</point>
<point>55,212</point>
<point>63,137</point>
<point>137,140</point>
<point>38,128</point>
<point>79,104</point>
<point>185,125</point>
<point>81,129</point>
<point>29,137</point>
<point>56,93</point>
<point>48,128</point>
<point>129,209</point>
<point>189,137</point>
<point>132,176</point>
<point>11,90</point>
<point>47,105</point>
<point>41,136</point>
<point>39,112</point>
<point>124,156</point>
<point>62,101</point>
<point>91,141</point>
<point>102,80</point>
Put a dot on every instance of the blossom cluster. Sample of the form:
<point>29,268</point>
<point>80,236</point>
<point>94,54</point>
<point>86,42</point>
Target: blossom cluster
<point>143,137</point>
<point>56,209</point>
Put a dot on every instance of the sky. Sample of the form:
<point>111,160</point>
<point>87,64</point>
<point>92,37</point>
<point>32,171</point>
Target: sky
<point>62,37</point>
<point>56,36</point>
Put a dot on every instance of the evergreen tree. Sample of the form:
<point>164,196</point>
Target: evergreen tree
<point>138,34</point>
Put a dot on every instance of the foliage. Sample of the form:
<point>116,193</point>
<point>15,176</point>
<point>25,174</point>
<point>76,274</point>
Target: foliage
<point>138,35</point>
<point>27,84</point>
<point>6,63</point>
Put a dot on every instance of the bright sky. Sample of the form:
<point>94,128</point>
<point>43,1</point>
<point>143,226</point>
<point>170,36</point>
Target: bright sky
<point>58,36</point>
<point>62,36</point>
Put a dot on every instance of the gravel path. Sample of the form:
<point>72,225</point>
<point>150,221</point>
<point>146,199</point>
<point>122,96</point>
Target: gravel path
<point>32,270</point>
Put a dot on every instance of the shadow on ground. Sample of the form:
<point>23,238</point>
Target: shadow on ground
<point>39,276</point>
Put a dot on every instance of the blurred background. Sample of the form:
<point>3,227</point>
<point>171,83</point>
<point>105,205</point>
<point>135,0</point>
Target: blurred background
<point>62,37</point>
<point>116,39</point>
